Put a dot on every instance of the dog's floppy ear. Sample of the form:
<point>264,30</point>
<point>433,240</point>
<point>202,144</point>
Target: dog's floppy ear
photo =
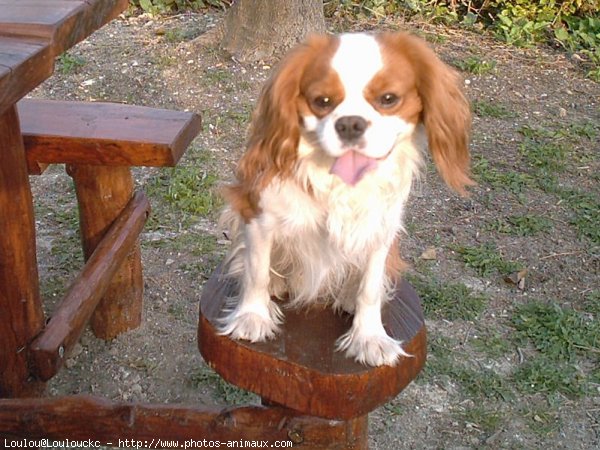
<point>274,135</point>
<point>446,113</point>
<point>275,129</point>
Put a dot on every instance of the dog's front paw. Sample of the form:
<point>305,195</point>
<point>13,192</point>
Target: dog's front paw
<point>377,349</point>
<point>254,324</point>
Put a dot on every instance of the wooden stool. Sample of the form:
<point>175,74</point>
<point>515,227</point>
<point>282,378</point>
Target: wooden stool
<point>300,369</point>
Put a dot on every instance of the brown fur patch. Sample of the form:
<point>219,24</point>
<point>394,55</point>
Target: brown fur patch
<point>446,113</point>
<point>394,264</point>
<point>272,148</point>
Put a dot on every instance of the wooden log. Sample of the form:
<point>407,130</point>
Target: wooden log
<point>50,348</point>
<point>21,315</point>
<point>85,417</point>
<point>107,134</point>
<point>102,193</point>
<point>300,369</point>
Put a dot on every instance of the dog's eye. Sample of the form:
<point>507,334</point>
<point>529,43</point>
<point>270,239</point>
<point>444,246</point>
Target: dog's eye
<point>323,102</point>
<point>388,100</point>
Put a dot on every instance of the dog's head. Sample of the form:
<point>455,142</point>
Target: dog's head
<point>358,96</point>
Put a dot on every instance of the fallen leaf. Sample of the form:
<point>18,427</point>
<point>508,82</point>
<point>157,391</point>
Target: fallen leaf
<point>517,278</point>
<point>429,254</point>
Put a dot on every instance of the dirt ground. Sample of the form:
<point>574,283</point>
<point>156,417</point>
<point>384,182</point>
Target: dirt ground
<point>159,62</point>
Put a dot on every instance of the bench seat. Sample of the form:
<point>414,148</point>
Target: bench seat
<point>107,134</point>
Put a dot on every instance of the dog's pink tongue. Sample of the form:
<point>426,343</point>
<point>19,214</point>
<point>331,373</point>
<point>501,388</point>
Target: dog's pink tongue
<point>352,166</point>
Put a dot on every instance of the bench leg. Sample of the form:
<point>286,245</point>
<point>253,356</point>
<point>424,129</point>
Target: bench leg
<point>21,315</point>
<point>102,193</point>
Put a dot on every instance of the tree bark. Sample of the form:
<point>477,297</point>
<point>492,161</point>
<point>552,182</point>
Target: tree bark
<point>255,30</point>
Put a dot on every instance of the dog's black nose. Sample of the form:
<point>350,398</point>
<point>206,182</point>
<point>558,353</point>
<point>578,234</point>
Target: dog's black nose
<point>350,128</point>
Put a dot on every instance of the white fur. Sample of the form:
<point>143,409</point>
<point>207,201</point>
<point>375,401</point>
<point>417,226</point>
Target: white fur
<point>329,241</point>
<point>328,245</point>
<point>383,131</point>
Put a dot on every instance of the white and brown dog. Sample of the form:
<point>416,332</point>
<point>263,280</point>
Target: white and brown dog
<point>318,205</point>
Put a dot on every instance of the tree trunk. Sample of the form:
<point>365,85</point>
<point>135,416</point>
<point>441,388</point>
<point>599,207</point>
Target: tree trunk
<point>255,30</point>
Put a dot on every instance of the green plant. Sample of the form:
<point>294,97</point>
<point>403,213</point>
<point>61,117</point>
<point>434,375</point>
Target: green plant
<point>69,63</point>
<point>572,24</point>
<point>586,212</point>
<point>491,343</point>
<point>485,259</point>
<point>556,332</point>
<point>541,419</point>
<point>582,34</point>
<point>526,225</point>
<point>478,383</point>
<point>545,376</point>
<point>514,182</point>
<point>166,6</point>
<point>563,339</point>
<point>189,189</point>
<point>476,65</point>
<point>449,301</point>
<point>545,158</point>
<point>488,109</point>
<point>176,35</point>
<point>225,391</point>
<point>487,418</point>
<point>591,303</point>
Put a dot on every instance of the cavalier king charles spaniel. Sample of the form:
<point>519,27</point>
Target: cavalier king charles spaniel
<point>317,208</point>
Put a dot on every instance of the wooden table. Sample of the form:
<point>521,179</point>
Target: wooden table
<point>32,34</point>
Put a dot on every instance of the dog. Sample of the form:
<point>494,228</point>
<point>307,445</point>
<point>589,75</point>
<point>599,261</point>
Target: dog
<point>317,207</point>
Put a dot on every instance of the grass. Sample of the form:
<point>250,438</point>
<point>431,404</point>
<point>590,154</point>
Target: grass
<point>524,225</point>
<point>224,391</point>
<point>491,343</point>
<point>196,242</point>
<point>451,301</point>
<point>544,157</point>
<point>557,332</point>
<point>573,132</point>
<point>585,212</point>
<point>591,304</point>
<point>501,177</point>
<point>475,380</point>
<point>191,190</point>
<point>217,76</point>
<point>177,35</point>
<point>66,252</point>
<point>541,419</point>
<point>565,342</point>
<point>67,63</point>
<point>476,65</point>
<point>486,260</point>
<point>542,375</point>
<point>495,110</point>
<point>484,417</point>
<point>561,348</point>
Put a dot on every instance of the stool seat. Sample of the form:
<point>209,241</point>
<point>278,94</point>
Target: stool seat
<point>300,368</point>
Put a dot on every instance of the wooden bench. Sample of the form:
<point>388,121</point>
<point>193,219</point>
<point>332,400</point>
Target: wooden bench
<point>99,142</point>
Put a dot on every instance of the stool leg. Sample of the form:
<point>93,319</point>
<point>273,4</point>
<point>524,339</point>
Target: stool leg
<point>102,193</point>
<point>21,312</point>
